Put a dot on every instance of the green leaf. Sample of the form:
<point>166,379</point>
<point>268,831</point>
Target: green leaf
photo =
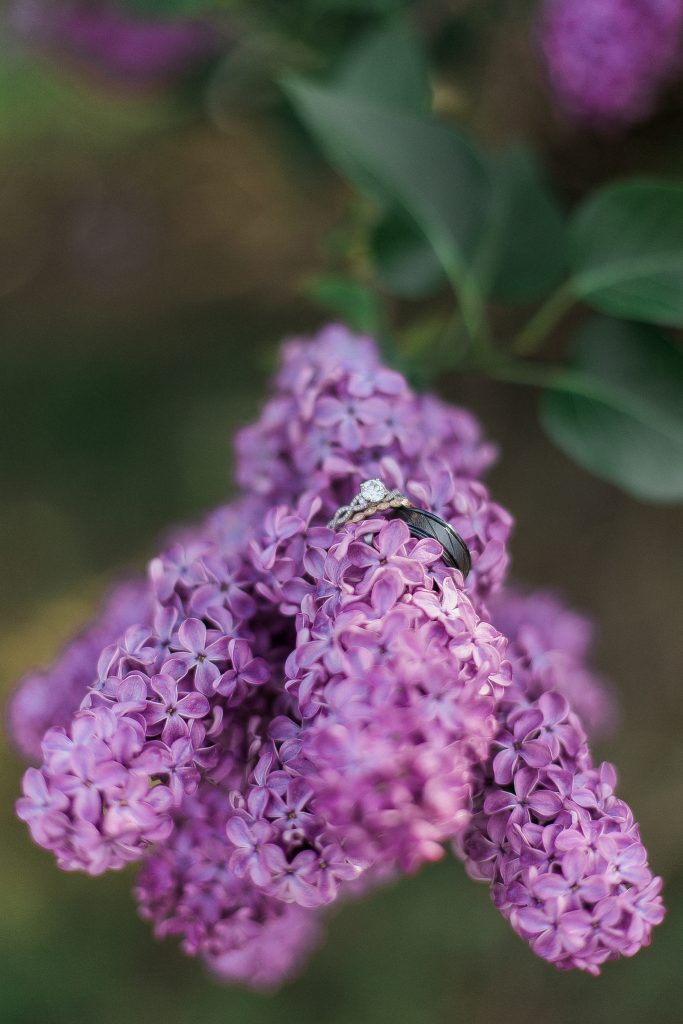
<point>522,254</point>
<point>427,167</point>
<point>527,236</point>
<point>619,414</point>
<point>406,264</point>
<point>350,300</point>
<point>627,258</point>
<point>389,67</point>
<point>176,8</point>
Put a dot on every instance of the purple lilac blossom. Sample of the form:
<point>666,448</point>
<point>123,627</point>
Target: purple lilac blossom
<point>49,697</point>
<point>221,882</point>
<point>187,889</point>
<point>348,702</point>
<point>393,747</point>
<point>553,643</point>
<point>276,659</point>
<point>560,851</point>
<point>607,60</point>
<point>146,725</point>
<point>110,40</point>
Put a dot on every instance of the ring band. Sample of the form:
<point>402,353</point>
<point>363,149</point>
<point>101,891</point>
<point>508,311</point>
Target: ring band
<point>375,497</point>
<point>427,524</point>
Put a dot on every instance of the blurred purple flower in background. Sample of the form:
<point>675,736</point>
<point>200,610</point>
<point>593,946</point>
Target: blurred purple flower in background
<point>554,644</point>
<point>607,60</point>
<point>290,714</point>
<point>109,40</point>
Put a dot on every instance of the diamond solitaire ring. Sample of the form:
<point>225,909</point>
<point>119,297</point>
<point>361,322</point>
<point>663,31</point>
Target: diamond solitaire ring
<point>373,497</point>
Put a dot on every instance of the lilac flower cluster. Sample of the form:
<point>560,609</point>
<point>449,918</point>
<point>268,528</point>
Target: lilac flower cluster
<point>393,747</point>
<point>608,59</point>
<point>148,718</point>
<point>554,643</point>
<point>108,39</point>
<point>49,698</point>
<point>291,714</point>
<point>189,699</point>
<point>561,852</point>
<point>187,888</point>
<point>339,417</point>
<point>363,610</point>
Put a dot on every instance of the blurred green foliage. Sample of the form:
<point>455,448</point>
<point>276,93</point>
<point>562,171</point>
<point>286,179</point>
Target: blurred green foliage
<point>625,426</point>
<point>496,231</point>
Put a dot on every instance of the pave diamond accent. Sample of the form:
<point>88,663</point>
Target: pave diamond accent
<point>373,490</point>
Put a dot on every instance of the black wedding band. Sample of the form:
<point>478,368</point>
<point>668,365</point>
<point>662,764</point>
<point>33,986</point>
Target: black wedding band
<point>427,524</point>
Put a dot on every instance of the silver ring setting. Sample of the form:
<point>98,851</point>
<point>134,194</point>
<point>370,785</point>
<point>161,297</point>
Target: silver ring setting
<point>373,497</point>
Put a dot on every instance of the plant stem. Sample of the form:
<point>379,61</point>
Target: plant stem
<point>532,336</point>
<point>471,306</point>
<point>544,375</point>
<point>576,383</point>
<point>515,371</point>
<point>500,366</point>
<point>474,317</point>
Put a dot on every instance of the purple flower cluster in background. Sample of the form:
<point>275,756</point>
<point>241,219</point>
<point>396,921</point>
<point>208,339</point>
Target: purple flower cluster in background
<point>608,60</point>
<point>555,643</point>
<point>283,714</point>
<point>110,40</point>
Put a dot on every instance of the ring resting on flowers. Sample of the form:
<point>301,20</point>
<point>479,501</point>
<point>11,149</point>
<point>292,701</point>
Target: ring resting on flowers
<point>374,497</point>
<point>282,715</point>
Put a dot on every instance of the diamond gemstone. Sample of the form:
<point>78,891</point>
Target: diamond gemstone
<point>373,490</point>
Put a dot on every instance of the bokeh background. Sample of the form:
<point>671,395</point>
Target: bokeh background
<point>154,248</point>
